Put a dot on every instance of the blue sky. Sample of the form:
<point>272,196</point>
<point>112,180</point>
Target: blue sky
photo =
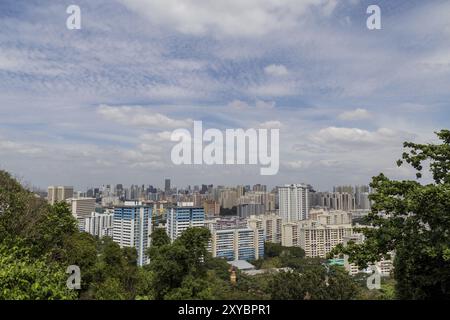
<point>97,105</point>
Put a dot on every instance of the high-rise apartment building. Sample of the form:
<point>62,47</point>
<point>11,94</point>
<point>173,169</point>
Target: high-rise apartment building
<point>59,193</point>
<point>270,223</point>
<point>184,216</point>
<point>320,234</point>
<point>228,198</point>
<point>293,202</point>
<point>248,209</point>
<point>132,226</point>
<point>238,243</point>
<point>336,200</point>
<point>99,224</point>
<point>212,208</point>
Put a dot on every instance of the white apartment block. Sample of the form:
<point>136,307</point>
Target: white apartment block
<point>293,202</point>
<point>270,223</point>
<point>237,243</point>
<point>184,216</point>
<point>100,224</point>
<point>132,227</point>
<point>290,234</point>
<point>320,235</point>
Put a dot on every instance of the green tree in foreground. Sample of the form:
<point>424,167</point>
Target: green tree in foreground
<point>415,224</point>
<point>26,278</point>
<point>316,283</point>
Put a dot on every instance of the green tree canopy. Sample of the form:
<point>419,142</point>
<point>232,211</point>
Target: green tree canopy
<point>413,221</point>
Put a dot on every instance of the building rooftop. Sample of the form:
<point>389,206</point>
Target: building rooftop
<point>242,265</point>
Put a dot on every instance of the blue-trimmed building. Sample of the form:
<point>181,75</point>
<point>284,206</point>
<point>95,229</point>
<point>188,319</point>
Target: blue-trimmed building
<point>238,243</point>
<point>132,226</point>
<point>184,216</point>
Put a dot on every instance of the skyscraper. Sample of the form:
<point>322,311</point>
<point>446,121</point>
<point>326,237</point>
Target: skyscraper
<point>132,226</point>
<point>293,202</point>
<point>167,186</point>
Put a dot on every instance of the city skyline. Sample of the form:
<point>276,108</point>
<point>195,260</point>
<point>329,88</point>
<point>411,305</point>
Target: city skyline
<point>97,105</point>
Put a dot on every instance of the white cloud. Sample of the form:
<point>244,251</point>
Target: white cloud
<point>354,135</point>
<point>358,114</point>
<point>140,116</point>
<point>227,17</point>
<point>276,70</point>
<point>7,146</point>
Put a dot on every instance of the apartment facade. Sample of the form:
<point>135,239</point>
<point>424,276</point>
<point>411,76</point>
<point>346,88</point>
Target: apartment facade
<point>100,224</point>
<point>132,225</point>
<point>320,235</point>
<point>238,244</point>
<point>293,202</point>
<point>270,223</point>
<point>184,216</point>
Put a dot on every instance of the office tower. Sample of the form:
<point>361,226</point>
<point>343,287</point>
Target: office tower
<point>59,193</point>
<point>184,216</point>
<point>81,209</point>
<point>240,191</point>
<point>237,243</point>
<point>320,234</point>
<point>167,186</point>
<point>132,227</point>
<point>293,202</point>
<point>270,223</point>
<point>99,224</point>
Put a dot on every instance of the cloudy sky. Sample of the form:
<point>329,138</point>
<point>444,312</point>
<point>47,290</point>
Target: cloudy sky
<point>97,105</point>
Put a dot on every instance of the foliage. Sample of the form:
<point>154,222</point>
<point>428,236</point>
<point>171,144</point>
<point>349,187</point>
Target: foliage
<point>314,284</point>
<point>25,278</point>
<point>414,221</point>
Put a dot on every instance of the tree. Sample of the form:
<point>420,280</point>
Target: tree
<point>25,278</point>
<point>159,238</point>
<point>173,263</point>
<point>412,220</point>
<point>316,283</point>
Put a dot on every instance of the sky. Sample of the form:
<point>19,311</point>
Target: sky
<point>97,105</point>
